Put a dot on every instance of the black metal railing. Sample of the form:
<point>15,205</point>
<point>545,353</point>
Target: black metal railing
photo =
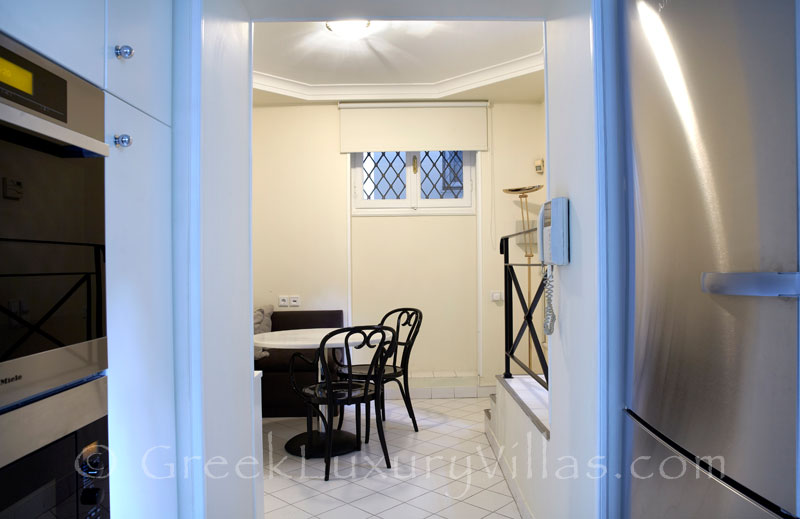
<point>95,326</point>
<point>511,284</point>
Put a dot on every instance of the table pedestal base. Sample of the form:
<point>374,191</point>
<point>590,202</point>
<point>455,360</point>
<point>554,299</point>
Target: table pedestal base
<point>343,443</point>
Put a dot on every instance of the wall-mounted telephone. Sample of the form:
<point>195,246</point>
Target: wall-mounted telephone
<point>553,249</point>
<point>554,232</point>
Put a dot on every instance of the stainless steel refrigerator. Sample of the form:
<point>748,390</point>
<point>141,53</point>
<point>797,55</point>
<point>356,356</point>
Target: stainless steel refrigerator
<point>713,401</point>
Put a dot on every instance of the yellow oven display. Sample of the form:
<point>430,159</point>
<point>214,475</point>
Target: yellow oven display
<point>16,76</point>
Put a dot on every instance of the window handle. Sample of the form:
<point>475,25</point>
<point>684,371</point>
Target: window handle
<point>415,164</point>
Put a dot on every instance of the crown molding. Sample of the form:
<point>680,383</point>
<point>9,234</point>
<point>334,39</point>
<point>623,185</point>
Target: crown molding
<point>378,91</point>
<point>415,104</point>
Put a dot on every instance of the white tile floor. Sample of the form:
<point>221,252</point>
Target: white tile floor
<point>446,470</point>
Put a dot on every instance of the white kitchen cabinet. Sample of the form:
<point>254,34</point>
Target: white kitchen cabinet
<point>143,79</point>
<point>141,408</point>
<point>71,33</point>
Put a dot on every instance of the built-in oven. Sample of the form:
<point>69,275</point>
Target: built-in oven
<point>54,459</point>
<point>52,253</point>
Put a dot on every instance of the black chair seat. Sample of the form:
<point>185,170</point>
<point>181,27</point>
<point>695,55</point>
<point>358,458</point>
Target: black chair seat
<point>360,371</point>
<point>319,392</point>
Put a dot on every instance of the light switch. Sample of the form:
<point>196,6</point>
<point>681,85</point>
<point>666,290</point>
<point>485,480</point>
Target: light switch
<point>496,295</point>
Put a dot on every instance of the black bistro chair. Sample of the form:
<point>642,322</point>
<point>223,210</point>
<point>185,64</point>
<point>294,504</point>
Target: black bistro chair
<point>406,321</point>
<point>341,389</point>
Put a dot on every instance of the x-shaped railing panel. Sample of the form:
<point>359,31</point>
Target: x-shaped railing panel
<point>512,287</point>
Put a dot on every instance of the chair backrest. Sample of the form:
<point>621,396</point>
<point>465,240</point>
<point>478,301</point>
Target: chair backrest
<point>406,322</point>
<point>381,339</point>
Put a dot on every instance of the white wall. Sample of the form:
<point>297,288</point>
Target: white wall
<point>289,10</point>
<point>300,218</point>
<point>212,251</point>
<point>186,86</point>
<point>226,268</point>
<point>574,377</point>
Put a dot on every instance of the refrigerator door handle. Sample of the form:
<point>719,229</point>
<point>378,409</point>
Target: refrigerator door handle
<point>761,284</point>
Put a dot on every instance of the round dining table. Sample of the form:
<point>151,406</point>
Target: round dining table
<point>309,339</point>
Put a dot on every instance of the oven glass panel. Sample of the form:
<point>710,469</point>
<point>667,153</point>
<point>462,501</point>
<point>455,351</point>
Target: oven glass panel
<point>41,484</point>
<point>51,246</point>
<point>46,485</point>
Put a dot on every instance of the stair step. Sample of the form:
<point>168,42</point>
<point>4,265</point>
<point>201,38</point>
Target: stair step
<point>493,398</point>
<point>488,413</point>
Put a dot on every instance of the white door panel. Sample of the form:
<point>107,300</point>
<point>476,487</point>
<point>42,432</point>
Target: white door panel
<point>139,293</point>
<point>71,33</point>
<point>145,78</point>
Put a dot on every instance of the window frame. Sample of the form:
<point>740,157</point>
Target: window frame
<point>413,204</point>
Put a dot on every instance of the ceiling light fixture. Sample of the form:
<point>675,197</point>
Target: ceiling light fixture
<point>350,29</point>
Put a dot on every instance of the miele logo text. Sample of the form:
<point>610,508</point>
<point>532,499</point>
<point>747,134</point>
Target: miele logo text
<point>9,380</point>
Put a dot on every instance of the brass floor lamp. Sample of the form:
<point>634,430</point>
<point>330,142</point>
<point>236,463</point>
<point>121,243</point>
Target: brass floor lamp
<point>522,193</point>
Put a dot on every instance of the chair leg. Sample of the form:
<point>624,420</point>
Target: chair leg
<point>341,417</point>
<point>328,443</point>
<point>379,423</point>
<point>309,430</point>
<point>383,405</point>
<point>406,394</point>
<point>366,432</point>
<point>358,426</point>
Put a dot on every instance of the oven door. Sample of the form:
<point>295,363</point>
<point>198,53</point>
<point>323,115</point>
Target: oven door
<point>52,232</point>
<point>54,456</point>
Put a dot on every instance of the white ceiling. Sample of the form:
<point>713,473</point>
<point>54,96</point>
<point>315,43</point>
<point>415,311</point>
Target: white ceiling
<point>398,61</point>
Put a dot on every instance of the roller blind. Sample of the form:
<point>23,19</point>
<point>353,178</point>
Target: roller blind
<point>413,126</point>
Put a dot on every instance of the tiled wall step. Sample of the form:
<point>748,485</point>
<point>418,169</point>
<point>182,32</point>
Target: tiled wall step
<point>488,425</point>
<point>445,381</point>
<point>443,387</point>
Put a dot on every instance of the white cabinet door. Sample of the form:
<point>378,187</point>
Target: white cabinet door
<point>144,79</point>
<point>139,293</point>
<point>71,33</point>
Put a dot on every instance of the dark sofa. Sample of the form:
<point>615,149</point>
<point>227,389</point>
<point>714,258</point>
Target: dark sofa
<point>277,396</point>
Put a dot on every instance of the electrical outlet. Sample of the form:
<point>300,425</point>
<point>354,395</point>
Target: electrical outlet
<point>294,300</point>
<point>283,300</point>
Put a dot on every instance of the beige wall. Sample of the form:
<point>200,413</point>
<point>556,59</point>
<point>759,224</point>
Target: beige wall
<point>427,262</point>
<point>300,208</point>
<point>517,139</point>
<point>300,219</point>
